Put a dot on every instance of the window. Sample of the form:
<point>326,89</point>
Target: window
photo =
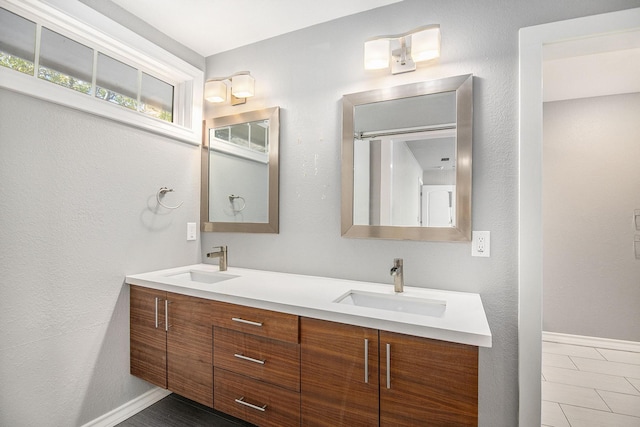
<point>65,62</point>
<point>141,83</point>
<point>17,42</point>
<point>116,82</point>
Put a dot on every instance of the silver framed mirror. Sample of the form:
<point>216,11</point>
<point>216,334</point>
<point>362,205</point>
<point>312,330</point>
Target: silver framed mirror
<point>239,175</point>
<point>407,161</point>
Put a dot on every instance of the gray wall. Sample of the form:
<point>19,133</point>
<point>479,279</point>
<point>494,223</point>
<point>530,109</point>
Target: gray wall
<point>77,214</point>
<point>306,73</point>
<point>590,184</point>
<point>77,205</point>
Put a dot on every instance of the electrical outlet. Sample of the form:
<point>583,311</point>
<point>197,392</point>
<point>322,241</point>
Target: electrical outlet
<point>191,231</point>
<point>481,243</point>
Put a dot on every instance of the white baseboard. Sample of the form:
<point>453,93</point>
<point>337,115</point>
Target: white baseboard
<point>591,341</point>
<point>129,409</point>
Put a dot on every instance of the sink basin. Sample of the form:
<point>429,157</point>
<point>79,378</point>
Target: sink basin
<point>394,302</point>
<point>208,277</point>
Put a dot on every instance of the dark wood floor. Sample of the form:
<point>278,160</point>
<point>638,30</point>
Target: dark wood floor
<point>176,411</point>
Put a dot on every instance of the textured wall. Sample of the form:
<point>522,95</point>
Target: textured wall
<point>591,182</point>
<point>77,207</point>
<point>306,73</point>
<point>78,213</point>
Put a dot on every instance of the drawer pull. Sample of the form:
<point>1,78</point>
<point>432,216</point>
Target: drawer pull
<point>388,365</point>
<point>249,359</point>
<point>366,360</point>
<point>252,406</point>
<point>246,322</point>
<point>157,312</point>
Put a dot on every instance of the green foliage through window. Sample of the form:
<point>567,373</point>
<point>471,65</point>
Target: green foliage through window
<point>64,80</point>
<point>15,63</point>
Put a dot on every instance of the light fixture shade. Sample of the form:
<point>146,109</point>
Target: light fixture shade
<point>425,44</point>
<point>215,91</point>
<point>376,54</point>
<point>243,86</point>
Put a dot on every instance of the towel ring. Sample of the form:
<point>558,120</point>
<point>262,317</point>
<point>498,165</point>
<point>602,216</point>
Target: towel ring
<point>232,198</point>
<point>161,192</point>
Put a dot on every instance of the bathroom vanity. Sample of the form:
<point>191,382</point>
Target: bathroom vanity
<point>280,349</point>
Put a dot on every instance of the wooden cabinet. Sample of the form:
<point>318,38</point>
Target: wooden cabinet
<point>421,382</point>
<point>277,370</point>
<point>256,358</point>
<point>171,343</point>
<point>339,374</point>
<point>147,335</point>
<point>427,382</point>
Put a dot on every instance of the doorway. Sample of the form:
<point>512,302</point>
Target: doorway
<point>532,41</point>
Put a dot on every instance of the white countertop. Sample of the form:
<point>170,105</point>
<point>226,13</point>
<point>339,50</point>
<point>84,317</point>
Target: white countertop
<point>463,321</point>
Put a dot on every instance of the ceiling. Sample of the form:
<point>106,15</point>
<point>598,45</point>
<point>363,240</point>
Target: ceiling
<point>607,64</point>
<point>213,26</point>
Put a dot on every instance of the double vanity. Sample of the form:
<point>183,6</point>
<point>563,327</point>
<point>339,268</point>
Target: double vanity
<point>279,349</point>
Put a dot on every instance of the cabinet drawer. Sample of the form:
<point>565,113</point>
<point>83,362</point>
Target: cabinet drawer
<point>254,401</point>
<point>265,323</point>
<point>276,362</point>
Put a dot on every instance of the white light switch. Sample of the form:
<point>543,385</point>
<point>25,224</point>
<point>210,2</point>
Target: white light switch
<point>481,243</point>
<point>191,231</point>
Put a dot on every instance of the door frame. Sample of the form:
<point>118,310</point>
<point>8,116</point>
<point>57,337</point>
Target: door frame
<point>531,42</point>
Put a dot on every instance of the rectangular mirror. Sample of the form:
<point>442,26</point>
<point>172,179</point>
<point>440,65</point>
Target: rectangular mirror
<point>406,161</point>
<point>239,185</point>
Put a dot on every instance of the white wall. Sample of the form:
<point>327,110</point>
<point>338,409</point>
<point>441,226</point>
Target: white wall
<point>590,185</point>
<point>306,73</point>
<point>77,214</point>
<point>406,174</point>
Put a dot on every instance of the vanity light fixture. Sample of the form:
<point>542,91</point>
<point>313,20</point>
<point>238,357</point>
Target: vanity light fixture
<point>242,86</point>
<point>402,50</point>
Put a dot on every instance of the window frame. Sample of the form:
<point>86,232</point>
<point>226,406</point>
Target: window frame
<point>87,26</point>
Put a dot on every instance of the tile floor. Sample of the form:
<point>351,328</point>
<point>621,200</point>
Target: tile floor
<point>589,386</point>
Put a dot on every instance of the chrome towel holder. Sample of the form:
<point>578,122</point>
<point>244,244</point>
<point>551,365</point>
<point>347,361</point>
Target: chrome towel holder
<point>161,192</point>
<point>232,198</point>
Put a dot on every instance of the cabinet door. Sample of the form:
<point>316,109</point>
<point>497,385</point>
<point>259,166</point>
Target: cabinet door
<point>335,387</point>
<point>189,348</point>
<point>427,382</point>
<point>148,336</point>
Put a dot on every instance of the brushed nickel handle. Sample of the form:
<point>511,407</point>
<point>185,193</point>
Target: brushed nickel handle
<point>246,322</point>
<point>166,315</point>
<point>250,405</point>
<point>157,312</point>
<point>388,365</point>
<point>249,359</point>
<point>366,360</point>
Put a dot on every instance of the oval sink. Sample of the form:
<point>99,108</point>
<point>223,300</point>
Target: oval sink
<point>394,302</point>
<point>208,277</point>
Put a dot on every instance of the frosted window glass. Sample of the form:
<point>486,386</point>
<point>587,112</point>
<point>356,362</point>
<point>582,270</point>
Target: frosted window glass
<point>156,97</point>
<point>65,62</point>
<point>117,76</point>
<point>116,82</point>
<point>17,42</point>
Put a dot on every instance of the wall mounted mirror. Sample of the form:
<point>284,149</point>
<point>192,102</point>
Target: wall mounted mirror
<point>239,185</point>
<point>406,161</point>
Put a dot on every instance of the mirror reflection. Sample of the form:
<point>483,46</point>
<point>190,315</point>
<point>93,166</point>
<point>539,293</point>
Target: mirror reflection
<point>404,162</point>
<point>407,161</point>
<point>240,172</point>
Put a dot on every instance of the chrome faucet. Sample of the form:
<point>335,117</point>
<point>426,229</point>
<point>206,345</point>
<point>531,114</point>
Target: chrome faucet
<point>398,275</point>
<point>222,254</point>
